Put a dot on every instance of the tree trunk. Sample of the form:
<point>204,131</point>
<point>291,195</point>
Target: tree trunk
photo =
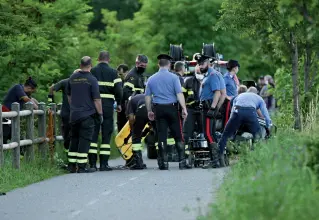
<point>295,80</point>
<point>307,85</point>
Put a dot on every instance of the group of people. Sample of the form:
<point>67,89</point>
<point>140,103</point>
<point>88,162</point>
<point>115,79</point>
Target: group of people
<point>166,101</point>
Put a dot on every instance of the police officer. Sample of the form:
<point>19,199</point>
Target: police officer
<point>133,85</point>
<point>166,90</point>
<point>85,108</point>
<point>65,110</point>
<point>209,97</point>
<point>137,115</point>
<point>110,90</point>
<point>192,88</point>
<point>244,112</point>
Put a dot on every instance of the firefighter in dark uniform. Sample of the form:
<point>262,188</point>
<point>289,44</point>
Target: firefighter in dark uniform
<point>85,109</point>
<point>209,98</point>
<point>192,88</point>
<point>179,68</point>
<point>166,90</point>
<point>110,90</point>
<point>133,85</point>
<point>137,115</point>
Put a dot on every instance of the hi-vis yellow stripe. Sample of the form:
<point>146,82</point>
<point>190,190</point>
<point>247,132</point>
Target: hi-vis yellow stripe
<point>108,96</point>
<point>190,103</point>
<point>129,85</point>
<point>183,89</point>
<point>190,92</point>
<point>117,80</point>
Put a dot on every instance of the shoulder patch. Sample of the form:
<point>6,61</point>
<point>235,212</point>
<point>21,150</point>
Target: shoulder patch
<point>132,78</point>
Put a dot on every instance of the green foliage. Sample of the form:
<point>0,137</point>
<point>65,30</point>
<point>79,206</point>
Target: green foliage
<point>271,182</point>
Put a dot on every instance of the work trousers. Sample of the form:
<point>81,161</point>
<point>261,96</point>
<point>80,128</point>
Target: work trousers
<point>167,116</point>
<point>192,123</point>
<point>107,130</point>
<point>225,112</point>
<point>81,137</point>
<point>141,119</point>
<point>66,131</point>
<point>209,128</point>
<point>121,118</point>
<point>241,116</point>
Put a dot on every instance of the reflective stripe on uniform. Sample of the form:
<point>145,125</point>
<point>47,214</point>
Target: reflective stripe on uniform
<point>109,96</point>
<point>105,149</point>
<point>117,80</point>
<point>50,100</point>
<point>82,157</point>
<point>138,89</point>
<point>105,83</point>
<point>66,150</point>
<point>93,148</point>
<point>186,149</point>
<point>136,147</point>
<point>129,85</point>
<point>72,154</point>
<point>190,92</point>
<point>190,103</point>
<point>170,141</point>
<point>183,89</point>
<point>72,157</point>
<point>82,160</point>
<point>72,160</point>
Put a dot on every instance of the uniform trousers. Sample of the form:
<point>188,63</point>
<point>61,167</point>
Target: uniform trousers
<point>121,118</point>
<point>192,123</point>
<point>66,131</point>
<point>81,137</point>
<point>246,116</point>
<point>141,119</point>
<point>209,127</point>
<point>107,130</point>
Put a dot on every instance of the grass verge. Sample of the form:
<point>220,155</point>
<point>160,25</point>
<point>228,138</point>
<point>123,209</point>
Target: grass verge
<point>272,182</point>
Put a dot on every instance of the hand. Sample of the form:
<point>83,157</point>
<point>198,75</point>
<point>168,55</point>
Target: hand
<point>151,116</point>
<point>212,113</point>
<point>184,113</point>
<point>101,118</point>
<point>119,108</point>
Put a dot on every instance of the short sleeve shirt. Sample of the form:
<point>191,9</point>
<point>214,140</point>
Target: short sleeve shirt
<point>83,88</point>
<point>15,94</point>
<point>231,86</point>
<point>210,84</point>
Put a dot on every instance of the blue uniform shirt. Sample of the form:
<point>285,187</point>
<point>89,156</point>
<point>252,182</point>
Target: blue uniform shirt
<point>222,84</point>
<point>15,94</point>
<point>210,84</point>
<point>164,86</point>
<point>231,87</point>
<point>249,99</point>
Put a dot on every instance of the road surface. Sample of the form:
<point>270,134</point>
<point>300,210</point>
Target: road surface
<point>149,194</point>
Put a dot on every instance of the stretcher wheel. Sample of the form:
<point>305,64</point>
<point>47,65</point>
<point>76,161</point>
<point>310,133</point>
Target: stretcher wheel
<point>191,159</point>
<point>209,50</point>
<point>176,52</point>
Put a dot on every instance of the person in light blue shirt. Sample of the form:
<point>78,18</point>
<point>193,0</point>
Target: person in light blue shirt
<point>231,86</point>
<point>244,112</point>
<point>166,90</point>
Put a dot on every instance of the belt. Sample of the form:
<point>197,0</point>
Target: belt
<point>244,108</point>
<point>165,104</point>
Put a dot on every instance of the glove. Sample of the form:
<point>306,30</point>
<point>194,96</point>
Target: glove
<point>212,113</point>
<point>50,98</point>
<point>101,119</point>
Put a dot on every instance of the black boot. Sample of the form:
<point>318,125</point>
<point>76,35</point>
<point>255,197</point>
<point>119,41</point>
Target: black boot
<point>72,167</point>
<point>181,156</point>
<point>214,157</point>
<point>93,166</point>
<point>162,158</point>
<point>82,168</point>
<point>105,167</point>
<point>138,161</point>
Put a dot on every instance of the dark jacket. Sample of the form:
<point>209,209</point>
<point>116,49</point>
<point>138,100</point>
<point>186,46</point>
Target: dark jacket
<point>191,92</point>
<point>133,84</point>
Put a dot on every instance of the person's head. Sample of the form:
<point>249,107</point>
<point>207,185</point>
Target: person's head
<point>233,66</point>
<point>242,89</point>
<point>268,79</point>
<point>252,89</point>
<point>261,80</point>
<point>122,70</point>
<point>203,62</point>
<point>86,63</point>
<point>104,56</point>
<point>164,61</point>
<point>30,86</point>
<point>141,63</point>
<point>179,67</point>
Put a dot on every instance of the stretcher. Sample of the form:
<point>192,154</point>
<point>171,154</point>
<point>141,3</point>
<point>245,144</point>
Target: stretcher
<point>123,140</point>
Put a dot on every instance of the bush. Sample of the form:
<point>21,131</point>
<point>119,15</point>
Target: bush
<point>271,182</point>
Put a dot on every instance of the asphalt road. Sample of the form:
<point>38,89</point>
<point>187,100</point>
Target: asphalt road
<point>149,194</point>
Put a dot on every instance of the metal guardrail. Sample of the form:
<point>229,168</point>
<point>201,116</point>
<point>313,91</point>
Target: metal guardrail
<point>14,115</point>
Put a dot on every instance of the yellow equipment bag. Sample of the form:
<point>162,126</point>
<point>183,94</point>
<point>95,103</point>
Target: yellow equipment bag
<point>126,149</point>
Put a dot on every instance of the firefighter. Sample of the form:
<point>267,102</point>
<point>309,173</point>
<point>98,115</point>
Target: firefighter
<point>133,84</point>
<point>192,88</point>
<point>137,115</point>
<point>85,109</point>
<point>110,90</point>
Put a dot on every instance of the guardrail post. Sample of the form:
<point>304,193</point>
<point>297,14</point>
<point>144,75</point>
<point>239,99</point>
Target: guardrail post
<point>42,130</point>
<point>59,118</point>
<point>1,139</point>
<point>15,133</point>
<point>30,132</point>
